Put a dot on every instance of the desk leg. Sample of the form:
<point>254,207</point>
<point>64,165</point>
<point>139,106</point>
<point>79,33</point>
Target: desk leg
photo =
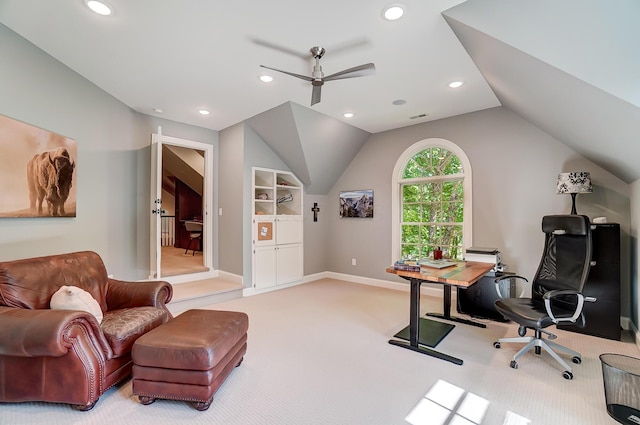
<point>414,329</point>
<point>414,313</point>
<point>446,308</point>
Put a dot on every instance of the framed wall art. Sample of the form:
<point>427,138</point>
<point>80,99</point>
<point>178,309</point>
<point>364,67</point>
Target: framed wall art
<point>37,171</point>
<point>356,203</point>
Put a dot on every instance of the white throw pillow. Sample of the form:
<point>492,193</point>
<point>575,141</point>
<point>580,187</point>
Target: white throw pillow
<point>74,298</point>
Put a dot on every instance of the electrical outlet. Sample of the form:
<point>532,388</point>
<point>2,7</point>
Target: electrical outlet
<point>353,261</point>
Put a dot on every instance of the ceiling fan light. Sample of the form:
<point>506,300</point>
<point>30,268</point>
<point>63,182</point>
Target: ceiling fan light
<point>393,12</point>
<point>99,7</point>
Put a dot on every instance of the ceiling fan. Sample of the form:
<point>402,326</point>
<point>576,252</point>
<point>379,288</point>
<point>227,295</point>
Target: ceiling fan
<point>318,79</point>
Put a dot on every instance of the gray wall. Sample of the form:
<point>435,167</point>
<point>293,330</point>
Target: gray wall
<point>230,235</point>
<point>316,233</point>
<point>514,165</point>
<point>112,165</point>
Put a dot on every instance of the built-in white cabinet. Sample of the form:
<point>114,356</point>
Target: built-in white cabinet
<point>277,228</point>
<point>264,267</point>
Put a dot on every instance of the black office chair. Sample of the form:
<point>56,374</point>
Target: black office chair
<point>195,234</point>
<point>556,289</point>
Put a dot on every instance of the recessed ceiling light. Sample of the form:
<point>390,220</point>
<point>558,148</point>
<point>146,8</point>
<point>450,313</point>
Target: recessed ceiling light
<point>99,7</point>
<point>455,84</point>
<point>203,112</point>
<point>399,102</point>
<point>348,115</point>
<point>393,12</point>
<point>266,78</point>
<point>158,110</point>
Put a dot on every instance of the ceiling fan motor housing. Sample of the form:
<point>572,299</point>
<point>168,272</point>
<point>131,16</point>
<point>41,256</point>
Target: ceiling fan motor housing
<point>317,72</point>
<point>317,77</point>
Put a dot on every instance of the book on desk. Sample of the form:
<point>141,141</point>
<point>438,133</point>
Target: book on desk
<point>436,264</point>
<point>422,266</point>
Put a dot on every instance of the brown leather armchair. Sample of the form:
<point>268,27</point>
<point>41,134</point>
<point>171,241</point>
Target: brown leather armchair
<point>65,356</point>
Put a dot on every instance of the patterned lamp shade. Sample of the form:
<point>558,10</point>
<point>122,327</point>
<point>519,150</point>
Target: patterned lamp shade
<point>574,183</point>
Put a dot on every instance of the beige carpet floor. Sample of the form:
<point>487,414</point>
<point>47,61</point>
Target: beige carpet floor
<point>174,261</point>
<point>318,354</point>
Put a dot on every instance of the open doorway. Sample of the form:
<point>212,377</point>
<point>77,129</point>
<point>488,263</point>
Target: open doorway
<point>181,226</point>
<point>183,211</point>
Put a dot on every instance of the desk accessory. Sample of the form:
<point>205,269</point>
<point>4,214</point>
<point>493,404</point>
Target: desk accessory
<point>437,264</point>
<point>573,183</point>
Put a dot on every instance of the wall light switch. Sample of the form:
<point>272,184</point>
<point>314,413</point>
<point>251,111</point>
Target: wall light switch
<point>219,211</point>
<point>353,261</point>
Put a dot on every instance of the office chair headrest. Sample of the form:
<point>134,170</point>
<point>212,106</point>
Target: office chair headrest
<point>566,224</point>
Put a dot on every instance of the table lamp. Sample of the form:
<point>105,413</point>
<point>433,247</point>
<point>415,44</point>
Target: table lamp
<point>574,183</point>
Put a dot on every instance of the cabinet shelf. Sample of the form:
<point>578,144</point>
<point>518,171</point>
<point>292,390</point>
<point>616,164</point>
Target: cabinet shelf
<point>263,178</point>
<point>276,192</point>
<point>277,228</point>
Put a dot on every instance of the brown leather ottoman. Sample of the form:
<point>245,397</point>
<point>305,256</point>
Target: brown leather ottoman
<point>189,357</point>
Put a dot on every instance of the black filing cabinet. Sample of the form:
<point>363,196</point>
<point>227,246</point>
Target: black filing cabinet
<point>603,316</point>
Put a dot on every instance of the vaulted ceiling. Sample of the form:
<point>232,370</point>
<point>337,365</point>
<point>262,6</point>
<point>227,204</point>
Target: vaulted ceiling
<point>569,67</point>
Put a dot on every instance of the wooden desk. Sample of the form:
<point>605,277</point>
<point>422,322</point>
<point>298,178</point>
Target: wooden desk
<point>464,274</point>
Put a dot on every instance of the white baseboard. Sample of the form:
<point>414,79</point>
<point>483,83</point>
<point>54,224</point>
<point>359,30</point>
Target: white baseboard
<point>190,277</point>
<point>211,274</point>
<point>247,292</point>
<point>434,289</point>
<point>231,277</point>
<point>625,323</point>
<point>628,324</point>
<point>429,289</point>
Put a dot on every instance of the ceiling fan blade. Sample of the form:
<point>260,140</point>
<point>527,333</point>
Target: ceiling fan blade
<point>303,77</point>
<point>315,95</point>
<point>356,71</point>
<point>279,48</point>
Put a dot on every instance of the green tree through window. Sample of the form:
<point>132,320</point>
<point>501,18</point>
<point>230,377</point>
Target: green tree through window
<point>432,204</point>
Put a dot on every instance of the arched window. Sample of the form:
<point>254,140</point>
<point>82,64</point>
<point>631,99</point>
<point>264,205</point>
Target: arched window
<point>431,192</point>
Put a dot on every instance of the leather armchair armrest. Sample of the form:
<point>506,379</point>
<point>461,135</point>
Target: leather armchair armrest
<point>122,294</point>
<point>32,333</point>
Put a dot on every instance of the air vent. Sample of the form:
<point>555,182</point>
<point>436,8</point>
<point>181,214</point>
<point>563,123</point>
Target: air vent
<point>418,116</point>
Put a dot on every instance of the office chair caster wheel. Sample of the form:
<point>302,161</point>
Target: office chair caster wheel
<point>567,375</point>
<point>522,331</point>
<point>496,344</point>
<point>513,364</point>
<point>576,359</point>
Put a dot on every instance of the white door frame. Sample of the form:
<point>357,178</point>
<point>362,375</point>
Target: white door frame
<point>157,141</point>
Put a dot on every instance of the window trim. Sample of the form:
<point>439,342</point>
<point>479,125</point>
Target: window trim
<point>396,207</point>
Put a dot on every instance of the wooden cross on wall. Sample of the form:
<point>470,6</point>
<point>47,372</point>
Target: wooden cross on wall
<point>315,210</point>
